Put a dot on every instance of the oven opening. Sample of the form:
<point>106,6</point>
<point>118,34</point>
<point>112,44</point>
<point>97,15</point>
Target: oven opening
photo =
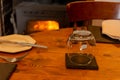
<point>41,25</point>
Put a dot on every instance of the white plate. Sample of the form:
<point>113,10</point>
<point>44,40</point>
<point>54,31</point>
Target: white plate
<point>14,48</point>
<point>111,28</point>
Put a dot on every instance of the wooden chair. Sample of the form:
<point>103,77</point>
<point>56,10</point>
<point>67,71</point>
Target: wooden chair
<point>85,11</point>
<point>81,13</point>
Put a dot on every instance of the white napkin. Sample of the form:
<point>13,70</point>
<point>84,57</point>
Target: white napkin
<point>111,28</point>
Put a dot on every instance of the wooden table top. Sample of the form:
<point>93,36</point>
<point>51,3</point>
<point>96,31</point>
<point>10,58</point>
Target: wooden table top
<point>49,64</point>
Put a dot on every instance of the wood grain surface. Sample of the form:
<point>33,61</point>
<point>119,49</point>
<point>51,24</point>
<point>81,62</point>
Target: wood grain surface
<point>49,64</point>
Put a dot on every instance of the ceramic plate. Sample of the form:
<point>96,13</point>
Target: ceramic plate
<point>111,28</point>
<point>14,48</point>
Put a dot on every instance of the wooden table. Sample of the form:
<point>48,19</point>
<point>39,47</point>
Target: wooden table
<point>49,64</point>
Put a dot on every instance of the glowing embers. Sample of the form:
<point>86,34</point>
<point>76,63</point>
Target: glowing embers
<point>38,25</point>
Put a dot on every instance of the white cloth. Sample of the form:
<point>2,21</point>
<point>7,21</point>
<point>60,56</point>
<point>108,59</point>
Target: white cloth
<point>111,28</point>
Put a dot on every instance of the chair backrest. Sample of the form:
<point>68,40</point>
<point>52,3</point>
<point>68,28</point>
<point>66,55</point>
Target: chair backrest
<point>88,10</point>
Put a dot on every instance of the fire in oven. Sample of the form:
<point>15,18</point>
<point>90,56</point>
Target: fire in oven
<point>30,11</point>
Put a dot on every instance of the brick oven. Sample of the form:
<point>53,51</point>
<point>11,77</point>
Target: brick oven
<point>31,11</point>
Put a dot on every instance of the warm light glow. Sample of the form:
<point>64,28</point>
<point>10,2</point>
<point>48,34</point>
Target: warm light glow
<point>34,26</point>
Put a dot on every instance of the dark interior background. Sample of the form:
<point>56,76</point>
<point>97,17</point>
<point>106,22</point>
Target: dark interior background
<point>60,2</point>
<point>8,5</point>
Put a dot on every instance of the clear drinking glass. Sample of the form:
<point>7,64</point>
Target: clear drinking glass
<point>81,41</point>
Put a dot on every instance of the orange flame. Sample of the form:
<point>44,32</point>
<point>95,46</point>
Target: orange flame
<point>34,26</point>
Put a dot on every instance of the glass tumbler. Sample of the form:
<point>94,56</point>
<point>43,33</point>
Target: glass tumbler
<point>81,41</point>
